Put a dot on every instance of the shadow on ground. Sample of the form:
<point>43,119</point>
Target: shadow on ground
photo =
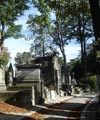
<point>63,111</point>
<point>69,111</point>
<point>4,116</point>
<point>59,111</point>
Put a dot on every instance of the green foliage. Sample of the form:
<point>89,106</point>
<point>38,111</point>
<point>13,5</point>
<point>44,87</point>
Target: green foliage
<point>82,28</point>
<point>76,68</point>
<point>18,58</point>
<point>22,58</point>
<point>39,25</point>
<point>10,10</point>
<point>91,82</point>
<point>56,26</point>
<point>60,60</point>
<point>4,60</point>
<point>76,64</point>
<point>63,20</point>
<point>42,46</point>
<point>5,57</point>
<point>14,31</point>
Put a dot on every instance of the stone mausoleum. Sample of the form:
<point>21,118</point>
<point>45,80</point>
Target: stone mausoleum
<point>31,82</point>
<point>43,72</point>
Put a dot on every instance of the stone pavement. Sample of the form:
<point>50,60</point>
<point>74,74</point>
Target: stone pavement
<point>90,112</point>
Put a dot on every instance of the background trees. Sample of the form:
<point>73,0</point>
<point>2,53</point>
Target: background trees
<point>42,43</point>
<point>63,21</point>
<point>53,20</point>
<point>76,64</point>
<point>82,28</point>
<point>23,58</point>
<point>56,24</point>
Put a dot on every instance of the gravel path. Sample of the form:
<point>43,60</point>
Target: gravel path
<point>90,112</point>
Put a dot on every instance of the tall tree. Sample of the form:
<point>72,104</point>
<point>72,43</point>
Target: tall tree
<point>64,21</point>
<point>90,57</point>
<point>10,10</point>
<point>42,44</point>
<point>56,20</point>
<point>82,27</point>
<point>95,12</point>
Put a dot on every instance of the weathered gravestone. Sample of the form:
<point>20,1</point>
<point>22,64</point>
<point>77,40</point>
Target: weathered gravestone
<point>2,79</point>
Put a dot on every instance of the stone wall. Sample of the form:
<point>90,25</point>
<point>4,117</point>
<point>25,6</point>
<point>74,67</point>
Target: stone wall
<point>23,98</point>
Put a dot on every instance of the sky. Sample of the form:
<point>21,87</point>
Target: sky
<point>21,45</point>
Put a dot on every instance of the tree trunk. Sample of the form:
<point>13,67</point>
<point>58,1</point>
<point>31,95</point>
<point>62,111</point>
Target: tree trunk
<point>95,11</point>
<point>0,53</point>
<point>82,53</point>
<point>82,58</point>
<point>43,50</point>
<point>84,64</point>
<point>65,68</point>
<point>3,24</point>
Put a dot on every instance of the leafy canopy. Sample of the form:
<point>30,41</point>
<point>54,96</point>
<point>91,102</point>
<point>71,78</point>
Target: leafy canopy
<point>5,56</point>
<point>10,10</point>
